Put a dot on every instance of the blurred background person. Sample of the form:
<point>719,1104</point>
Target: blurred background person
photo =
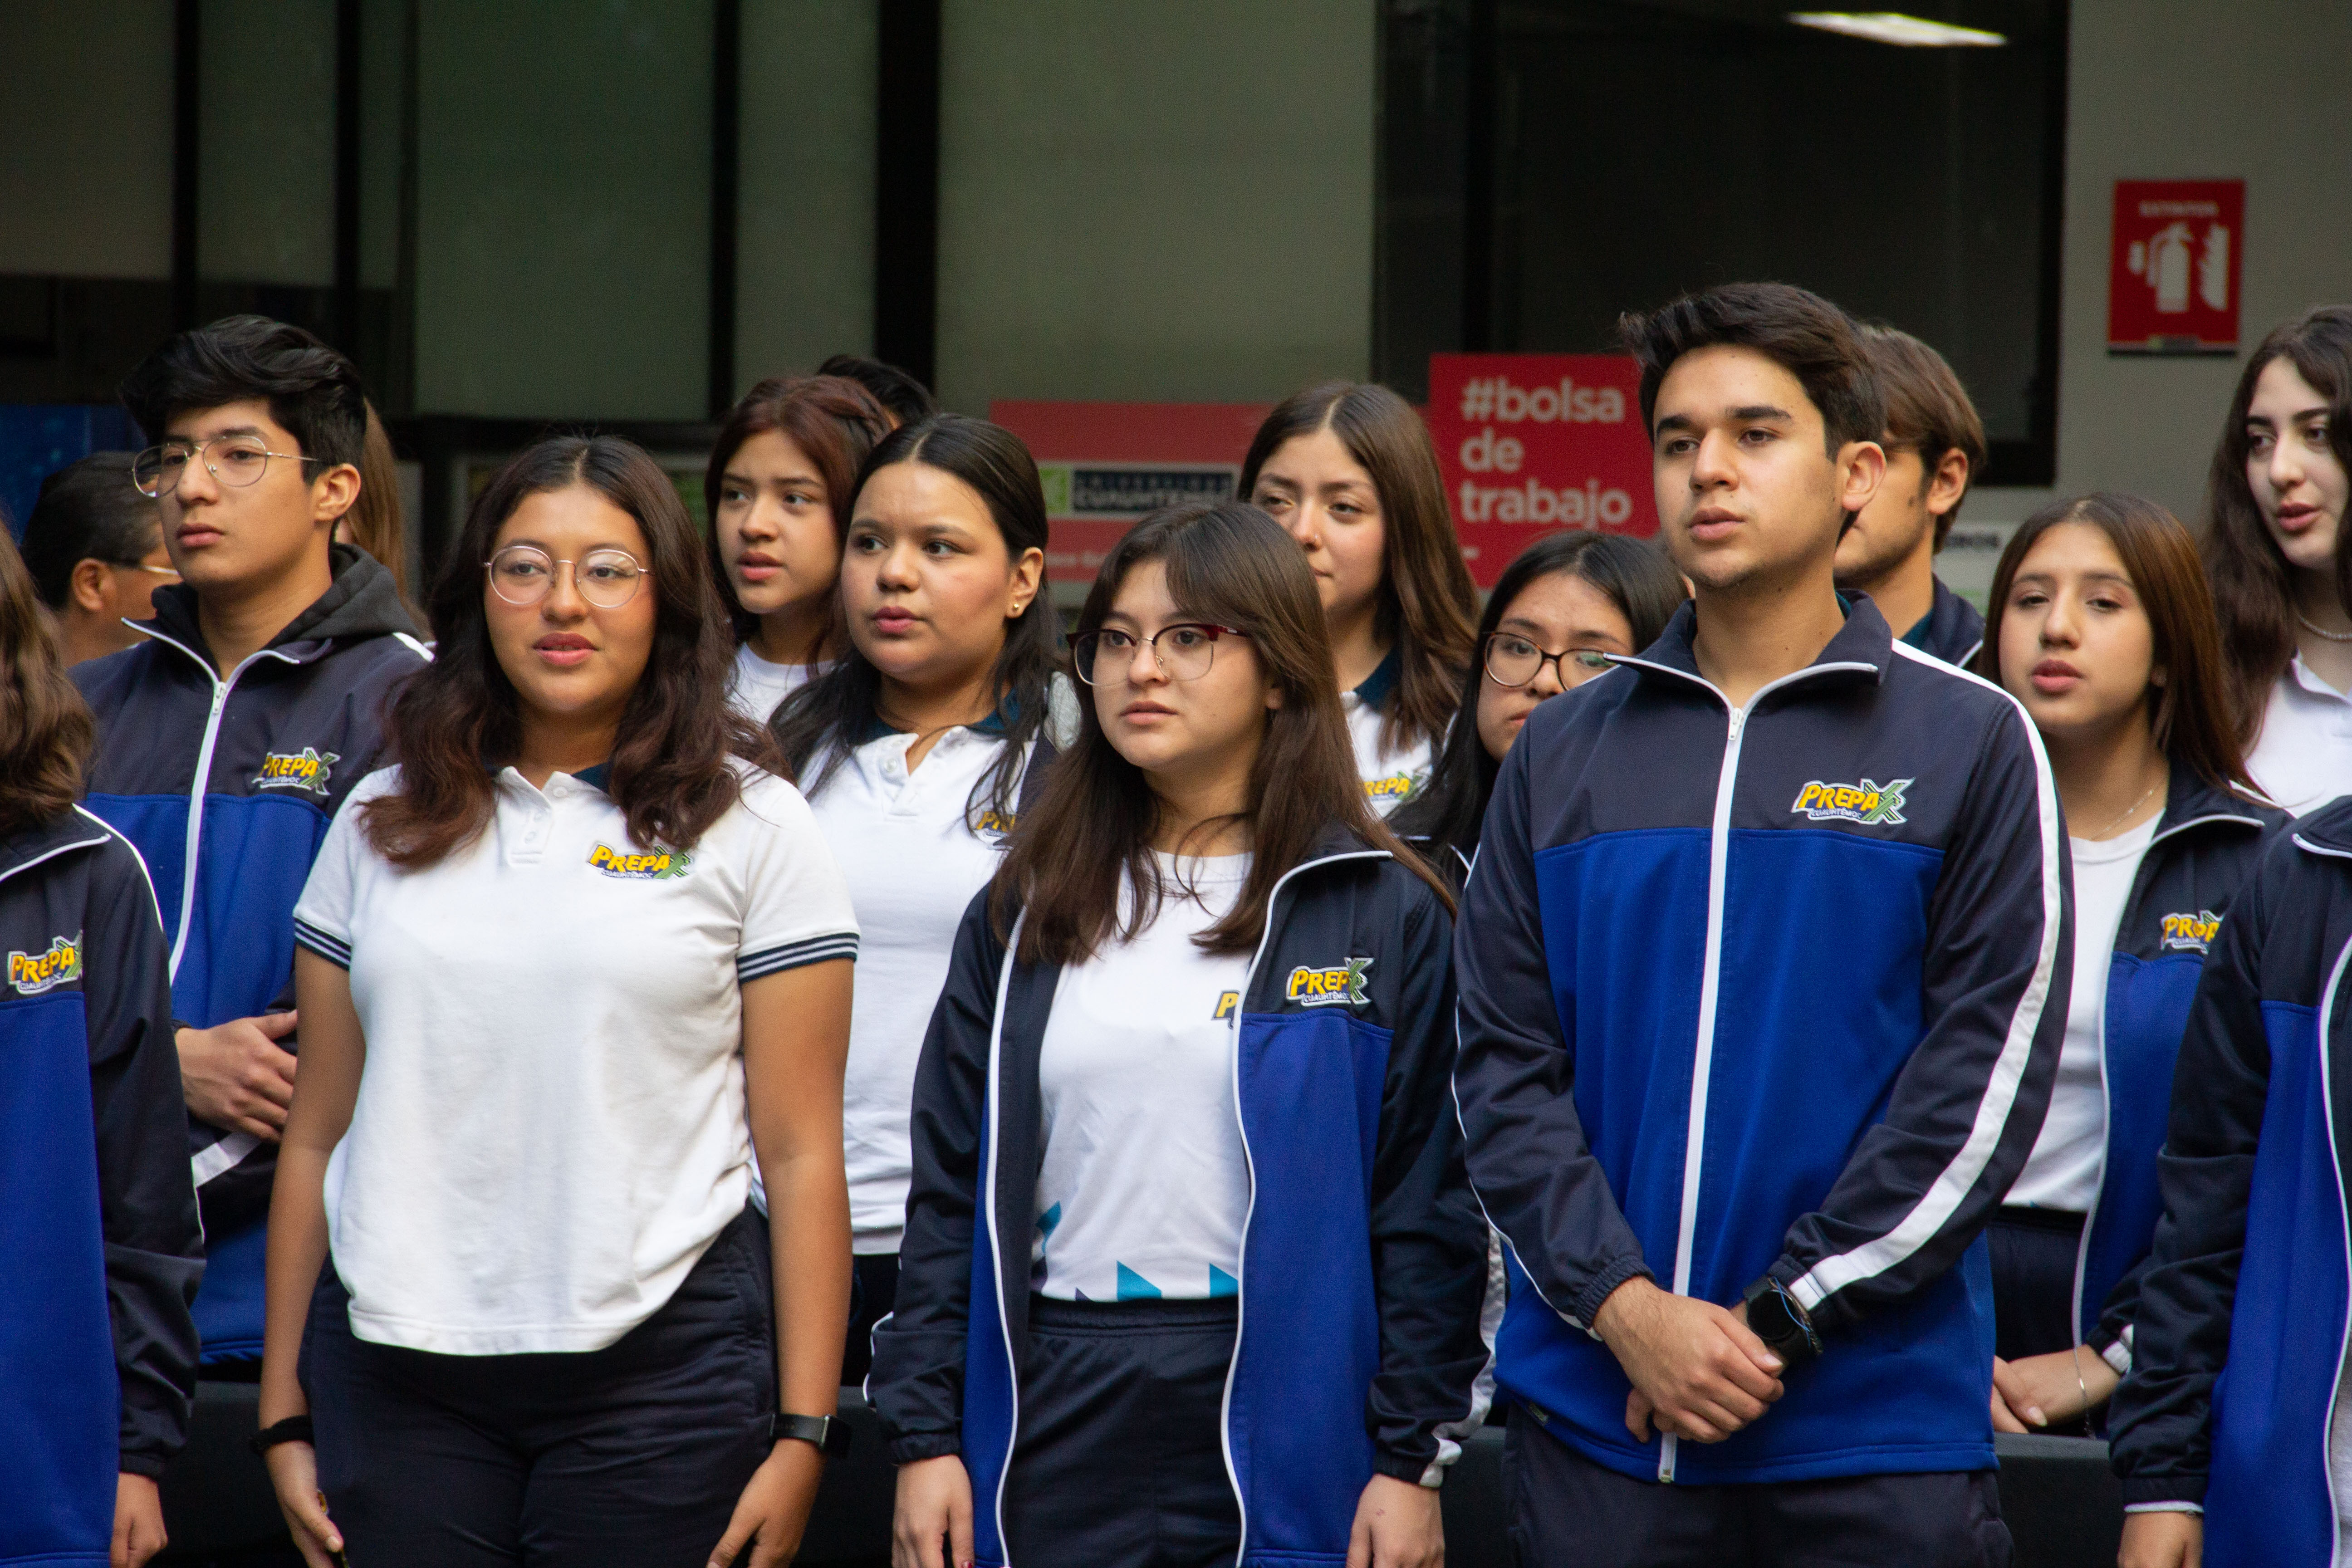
<point>907,400</point>
<point>94,547</point>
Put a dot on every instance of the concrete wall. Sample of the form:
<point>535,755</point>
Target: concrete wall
<point>1154,199</point>
<point>2184,90</point>
<point>86,140</point>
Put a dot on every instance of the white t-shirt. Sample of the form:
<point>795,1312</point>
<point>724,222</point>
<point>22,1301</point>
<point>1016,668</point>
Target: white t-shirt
<point>2069,1158</point>
<point>758,686</point>
<point>1144,1185</point>
<point>551,1123</point>
<point>913,863</point>
<point>2303,758</point>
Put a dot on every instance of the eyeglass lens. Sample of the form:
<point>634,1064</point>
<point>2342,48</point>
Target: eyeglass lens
<point>232,459</point>
<point>607,579</point>
<point>1184,653</point>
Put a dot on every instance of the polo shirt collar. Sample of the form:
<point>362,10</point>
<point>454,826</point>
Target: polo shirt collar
<point>1375,691</point>
<point>2301,674</point>
<point>995,726</point>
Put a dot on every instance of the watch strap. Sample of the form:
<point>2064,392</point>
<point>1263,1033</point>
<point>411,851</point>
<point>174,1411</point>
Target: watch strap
<point>1795,1340</point>
<point>293,1429</point>
<point>829,1434</point>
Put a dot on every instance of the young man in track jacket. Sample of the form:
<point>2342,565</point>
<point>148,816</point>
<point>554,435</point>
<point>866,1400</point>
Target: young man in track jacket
<point>1762,970</point>
<point>230,734</point>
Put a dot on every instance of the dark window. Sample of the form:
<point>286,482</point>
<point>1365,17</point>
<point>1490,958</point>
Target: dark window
<point>1549,163</point>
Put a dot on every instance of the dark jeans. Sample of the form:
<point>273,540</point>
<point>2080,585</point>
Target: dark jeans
<point>2032,1253</point>
<point>1121,1461</point>
<point>629,1456</point>
<point>1568,1513</point>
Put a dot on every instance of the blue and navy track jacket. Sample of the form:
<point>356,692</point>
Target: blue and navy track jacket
<point>1951,629</point>
<point>2207,842</point>
<point>2241,1330</point>
<point>100,1252</point>
<point>226,783</point>
<point>1363,1259</point>
<point>1779,991</point>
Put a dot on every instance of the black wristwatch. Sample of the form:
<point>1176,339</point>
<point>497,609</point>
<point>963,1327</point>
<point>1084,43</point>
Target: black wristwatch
<point>830,1434</point>
<point>293,1429</point>
<point>1775,1318</point>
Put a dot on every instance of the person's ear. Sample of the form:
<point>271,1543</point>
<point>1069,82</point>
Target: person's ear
<point>1028,572</point>
<point>1274,695</point>
<point>90,588</point>
<point>1948,484</point>
<point>1861,467</point>
<point>334,492</point>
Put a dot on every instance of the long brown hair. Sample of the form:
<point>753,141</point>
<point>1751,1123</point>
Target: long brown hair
<point>457,721</point>
<point>2192,714</point>
<point>375,517</point>
<point>1228,562</point>
<point>1427,602</point>
<point>2251,595</point>
<point>833,420</point>
<point>46,732</point>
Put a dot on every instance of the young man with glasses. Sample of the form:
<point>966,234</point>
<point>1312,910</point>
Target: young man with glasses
<point>95,548</point>
<point>234,728</point>
<point>1762,969</point>
<point>1935,446</point>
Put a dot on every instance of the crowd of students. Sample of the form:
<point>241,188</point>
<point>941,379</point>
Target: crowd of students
<point>1721,1007</point>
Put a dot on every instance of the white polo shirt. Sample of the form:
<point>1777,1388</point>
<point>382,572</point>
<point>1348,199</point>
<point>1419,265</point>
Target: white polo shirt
<point>915,850</point>
<point>1391,776</point>
<point>759,685</point>
<point>2303,758</point>
<point>551,1123</point>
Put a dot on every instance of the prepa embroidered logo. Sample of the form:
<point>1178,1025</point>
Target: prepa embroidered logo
<point>1335,985</point>
<point>1870,805</point>
<point>30,974</point>
<point>308,769</point>
<point>2191,933</point>
<point>993,824</point>
<point>1396,786</point>
<point>1226,1001</point>
<point>655,865</point>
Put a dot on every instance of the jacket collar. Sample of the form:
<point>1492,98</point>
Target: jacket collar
<point>361,602</point>
<point>69,830</point>
<point>2328,830</point>
<point>1862,641</point>
<point>2192,802</point>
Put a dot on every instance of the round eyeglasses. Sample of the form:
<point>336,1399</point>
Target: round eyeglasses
<point>239,460</point>
<point>1513,660</point>
<point>524,574</point>
<point>1182,652</point>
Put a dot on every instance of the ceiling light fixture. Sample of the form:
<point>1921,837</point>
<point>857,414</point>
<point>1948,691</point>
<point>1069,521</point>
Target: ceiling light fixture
<point>1894,27</point>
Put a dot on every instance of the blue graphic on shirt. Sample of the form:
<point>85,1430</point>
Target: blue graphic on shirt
<point>1221,1283</point>
<point>1134,1286</point>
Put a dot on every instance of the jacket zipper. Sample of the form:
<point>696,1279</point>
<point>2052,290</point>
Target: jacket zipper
<point>2344,1219</point>
<point>1711,972</point>
<point>995,1241</point>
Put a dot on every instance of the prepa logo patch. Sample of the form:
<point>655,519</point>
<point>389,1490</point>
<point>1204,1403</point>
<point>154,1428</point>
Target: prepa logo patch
<point>655,865</point>
<point>308,769</point>
<point>1870,805</point>
<point>1333,985</point>
<point>2191,933</point>
<point>30,974</point>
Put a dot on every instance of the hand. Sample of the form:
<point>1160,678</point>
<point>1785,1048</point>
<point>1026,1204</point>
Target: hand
<point>1397,1526</point>
<point>294,1476</point>
<point>138,1521</point>
<point>237,1076</point>
<point>934,1504</point>
<point>2166,1540</point>
<point>773,1511</point>
<point>1697,1370</point>
<point>2033,1391</point>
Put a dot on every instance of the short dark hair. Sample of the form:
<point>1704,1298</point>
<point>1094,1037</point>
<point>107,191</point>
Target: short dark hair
<point>1927,409</point>
<point>89,511</point>
<point>313,392</point>
<point>1796,328</point>
<point>909,400</point>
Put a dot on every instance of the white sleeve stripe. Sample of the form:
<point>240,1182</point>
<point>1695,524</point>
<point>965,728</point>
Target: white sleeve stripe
<point>219,1159</point>
<point>1944,1195</point>
<point>797,955</point>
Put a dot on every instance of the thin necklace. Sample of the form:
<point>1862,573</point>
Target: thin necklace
<point>2110,828</point>
<point>2319,631</point>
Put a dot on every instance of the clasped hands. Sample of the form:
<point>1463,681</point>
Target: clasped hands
<point>1698,1371</point>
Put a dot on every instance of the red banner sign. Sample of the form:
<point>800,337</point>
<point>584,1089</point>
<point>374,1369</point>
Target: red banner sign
<point>2172,275</point>
<point>1533,444</point>
<point>1105,465</point>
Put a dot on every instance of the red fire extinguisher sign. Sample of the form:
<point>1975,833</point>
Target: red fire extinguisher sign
<point>2172,275</point>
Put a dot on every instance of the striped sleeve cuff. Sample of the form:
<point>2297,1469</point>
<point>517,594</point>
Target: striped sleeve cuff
<point>326,945</point>
<point>795,955</point>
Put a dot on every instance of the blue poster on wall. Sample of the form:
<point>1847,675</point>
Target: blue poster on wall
<point>37,439</point>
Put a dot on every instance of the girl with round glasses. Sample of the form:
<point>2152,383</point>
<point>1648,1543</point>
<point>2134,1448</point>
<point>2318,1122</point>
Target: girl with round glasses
<point>1561,609</point>
<point>917,750</point>
<point>562,973</point>
<point>1182,1185</point>
<point>1347,469</point>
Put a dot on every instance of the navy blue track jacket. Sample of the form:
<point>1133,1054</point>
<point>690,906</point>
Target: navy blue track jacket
<point>1951,629</point>
<point>2241,1327</point>
<point>1776,990</point>
<point>2206,844</point>
<point>1363,1261</point>
<point>100,1252</point>
<point>226,784</point>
